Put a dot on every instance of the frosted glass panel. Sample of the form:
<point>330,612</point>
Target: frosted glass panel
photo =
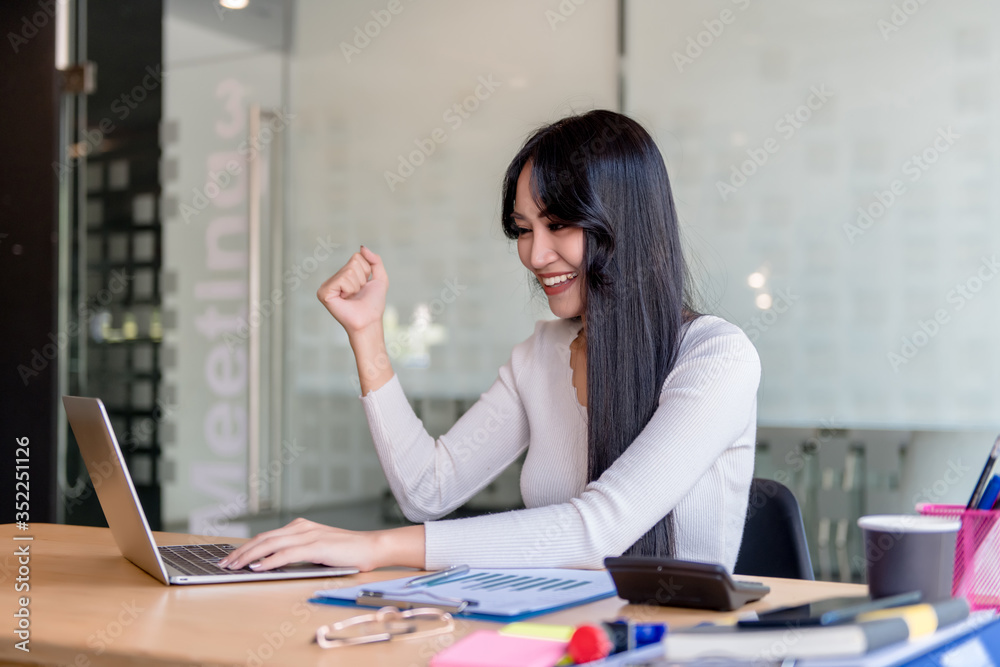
<point>404,124</point>
<point>835,166</point>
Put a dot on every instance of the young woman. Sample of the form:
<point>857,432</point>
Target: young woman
<point>638,414</point>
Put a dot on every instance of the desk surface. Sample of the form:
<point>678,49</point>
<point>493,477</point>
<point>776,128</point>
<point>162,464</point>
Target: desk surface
<point>90,606</point>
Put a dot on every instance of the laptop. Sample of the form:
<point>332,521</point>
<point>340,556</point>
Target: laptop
<point>176,564</point>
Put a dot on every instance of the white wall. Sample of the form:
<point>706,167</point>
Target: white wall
<point>715,81</point>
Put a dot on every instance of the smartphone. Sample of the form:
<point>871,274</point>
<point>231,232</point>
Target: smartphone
<point>827,612</point>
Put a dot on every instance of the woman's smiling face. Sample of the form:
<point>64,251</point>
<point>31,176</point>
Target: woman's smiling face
<point>550,249</point>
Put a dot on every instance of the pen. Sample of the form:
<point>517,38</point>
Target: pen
<point>435,576</point>
<point>398,599</point>
<point>989,498</point>
<point>985,477</point>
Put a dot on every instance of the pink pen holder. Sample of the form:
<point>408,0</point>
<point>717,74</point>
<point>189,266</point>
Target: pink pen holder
<point>977,554</point>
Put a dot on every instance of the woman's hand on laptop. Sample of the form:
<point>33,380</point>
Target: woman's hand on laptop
<point>308,541</point>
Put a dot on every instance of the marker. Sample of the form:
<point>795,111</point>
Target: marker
<point>590,643</point>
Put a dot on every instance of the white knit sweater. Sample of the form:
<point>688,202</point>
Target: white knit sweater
<point>694,460</point>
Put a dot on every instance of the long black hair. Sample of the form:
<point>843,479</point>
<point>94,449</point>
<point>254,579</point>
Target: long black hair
<point>602,172</point>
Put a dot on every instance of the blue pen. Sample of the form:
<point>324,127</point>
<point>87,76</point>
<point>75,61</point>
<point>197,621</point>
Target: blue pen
<point>990,495</point>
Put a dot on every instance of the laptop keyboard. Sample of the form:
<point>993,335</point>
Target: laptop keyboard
<point>194,559</point>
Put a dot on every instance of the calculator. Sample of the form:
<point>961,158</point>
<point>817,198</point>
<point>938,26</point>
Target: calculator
<point>680,583</point>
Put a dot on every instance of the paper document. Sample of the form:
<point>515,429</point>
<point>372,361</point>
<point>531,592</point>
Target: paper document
<point>503,593</point>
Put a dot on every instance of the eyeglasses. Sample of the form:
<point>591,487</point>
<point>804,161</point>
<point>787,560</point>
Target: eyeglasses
<point>385,625</point>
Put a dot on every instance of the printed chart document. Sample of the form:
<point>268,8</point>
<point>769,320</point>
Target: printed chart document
<point>506,595</point>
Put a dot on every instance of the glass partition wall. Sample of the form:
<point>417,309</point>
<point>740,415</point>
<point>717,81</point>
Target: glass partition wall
<point>833,168</point>
<point>293,133</point>
<point>110,327</point>
<point>835,171</point>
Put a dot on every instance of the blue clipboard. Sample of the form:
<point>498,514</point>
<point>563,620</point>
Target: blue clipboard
<point>500,595</point>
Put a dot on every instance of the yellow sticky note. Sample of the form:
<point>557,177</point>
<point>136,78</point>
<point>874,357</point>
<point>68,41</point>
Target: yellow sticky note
<point>561,633</point>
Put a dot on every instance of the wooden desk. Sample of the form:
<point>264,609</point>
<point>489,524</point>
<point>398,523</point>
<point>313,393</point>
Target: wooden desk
<point>89,606</point>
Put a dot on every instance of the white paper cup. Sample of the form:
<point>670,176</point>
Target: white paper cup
<point>906,552</point>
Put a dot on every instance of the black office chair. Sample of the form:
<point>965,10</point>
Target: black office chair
<point>774,538</point>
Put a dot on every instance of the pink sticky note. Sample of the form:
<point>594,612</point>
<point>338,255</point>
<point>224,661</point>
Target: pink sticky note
<point>486,648</point>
